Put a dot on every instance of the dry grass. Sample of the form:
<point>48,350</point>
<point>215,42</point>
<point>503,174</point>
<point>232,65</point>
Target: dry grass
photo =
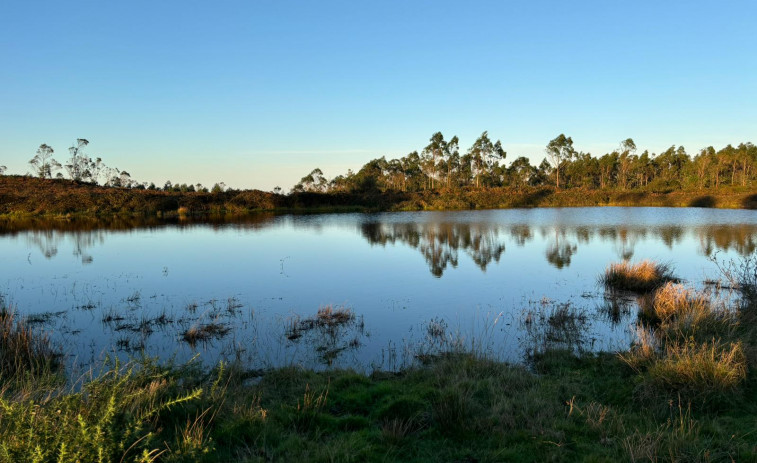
<point>684,313</point>
<point>700,369</point>
<point>329,318</point>
<point>641,277</point>
<point>205,333</point>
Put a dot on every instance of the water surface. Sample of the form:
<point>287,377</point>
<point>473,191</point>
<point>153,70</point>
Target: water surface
<point>412,280</point>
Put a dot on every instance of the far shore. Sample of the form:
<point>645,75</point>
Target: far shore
<point>33,197</point>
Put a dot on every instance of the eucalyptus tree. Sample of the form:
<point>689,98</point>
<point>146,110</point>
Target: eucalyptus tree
<point>43,162</point>
<point>643,169</point>
<point>608,164</point>
<point>452,158</point>
<point>672,163</point>
<point>395,175</point>
<point>702,164</point>
<point>626,159</point>
<point>484,155</point>
<point>313,182</point>
<point>96,169</point>
<point>411,167</point>
<point>521,172</point>
<point>2,170</point>
<point>560,150</point>
<point>748,157</point>
<point>78,164</point>
<point>431,153</point>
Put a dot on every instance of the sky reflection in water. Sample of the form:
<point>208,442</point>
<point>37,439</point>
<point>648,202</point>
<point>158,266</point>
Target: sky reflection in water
<point>412,280</point>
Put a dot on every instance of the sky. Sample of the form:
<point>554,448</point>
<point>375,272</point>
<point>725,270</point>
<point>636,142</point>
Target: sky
<point>258,93</point>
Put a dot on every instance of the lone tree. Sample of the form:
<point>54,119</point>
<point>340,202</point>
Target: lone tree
<point>43,162</point>
<point>2,170</point>
<point>560,150</point>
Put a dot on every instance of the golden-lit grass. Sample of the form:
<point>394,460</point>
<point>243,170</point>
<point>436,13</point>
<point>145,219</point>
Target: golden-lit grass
<point>684,313</point>
<point>640,277</point>
<point>334,316</point>
<point>704,368</point>
<point>686,345</point>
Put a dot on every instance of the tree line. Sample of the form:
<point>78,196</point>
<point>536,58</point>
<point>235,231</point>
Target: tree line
<point>82,168</point>
<point>441,165</point>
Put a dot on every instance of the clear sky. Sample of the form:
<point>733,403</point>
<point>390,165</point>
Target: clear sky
<point>258,93</point>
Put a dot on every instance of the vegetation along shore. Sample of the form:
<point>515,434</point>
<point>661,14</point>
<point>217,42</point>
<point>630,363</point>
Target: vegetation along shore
<point>438,177</point>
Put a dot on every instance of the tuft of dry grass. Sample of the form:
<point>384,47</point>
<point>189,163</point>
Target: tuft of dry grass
<point>640,277</point>
<point>683,313</point>
<point>205,333</point>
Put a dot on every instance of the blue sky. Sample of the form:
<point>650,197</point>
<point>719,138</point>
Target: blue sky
<point>258,93</point>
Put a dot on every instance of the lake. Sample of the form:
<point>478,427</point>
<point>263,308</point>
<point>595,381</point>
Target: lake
<point>390,287</point>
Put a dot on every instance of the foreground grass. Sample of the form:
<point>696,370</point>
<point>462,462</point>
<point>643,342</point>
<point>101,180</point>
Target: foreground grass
<point>460,408</point>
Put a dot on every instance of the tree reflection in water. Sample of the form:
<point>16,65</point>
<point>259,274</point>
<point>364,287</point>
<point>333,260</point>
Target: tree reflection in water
<point>439,242</point>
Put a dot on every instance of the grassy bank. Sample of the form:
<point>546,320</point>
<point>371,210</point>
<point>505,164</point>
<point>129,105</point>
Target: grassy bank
<point>26,196</point>
<point>685,391</point>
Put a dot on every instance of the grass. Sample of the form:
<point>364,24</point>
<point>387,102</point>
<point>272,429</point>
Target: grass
<point>689,346</point>
<point>24,351</point>
<point>204,333</point>
<point>640,277</point>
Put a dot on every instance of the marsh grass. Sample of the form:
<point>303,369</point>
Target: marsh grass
<point>688,345</point>
<point>329,333</point>
<point>24,351</point>
<point>550,326</point>
<point>640,277</point>
<point>699,370</point>
<point>204,333</point>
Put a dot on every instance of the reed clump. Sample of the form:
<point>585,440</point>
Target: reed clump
<point>687,346</point>
<point>683,313</point>
<point>205,333</point>
<point>641,277</point>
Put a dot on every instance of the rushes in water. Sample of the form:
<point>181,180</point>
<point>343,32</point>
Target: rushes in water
<point>22,350</point>
<point>204,333</point>
<point>684,313</point>
<point>686,346</point>
<point>641,277</point>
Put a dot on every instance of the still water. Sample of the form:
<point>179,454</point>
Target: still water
<point>407,283</point>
